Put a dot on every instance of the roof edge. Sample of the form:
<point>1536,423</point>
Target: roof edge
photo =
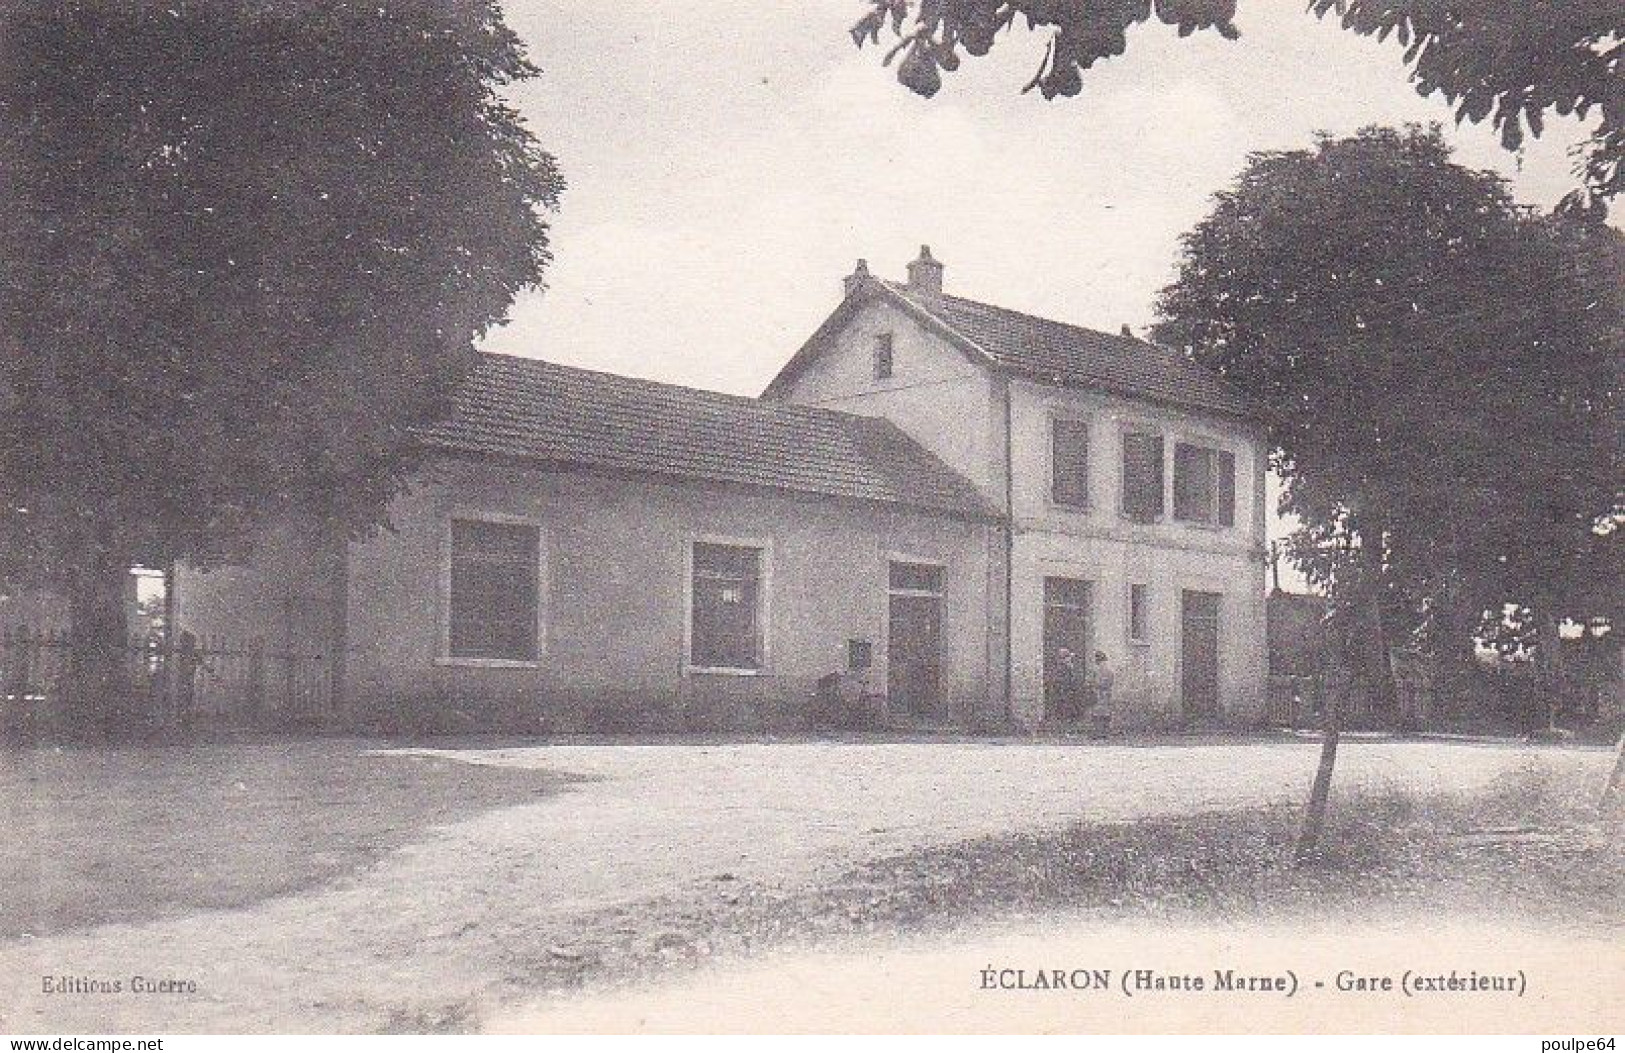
<point>873,288</point>
<point>1254,415</point>
<point>870,289</point>
<point>988,514</point>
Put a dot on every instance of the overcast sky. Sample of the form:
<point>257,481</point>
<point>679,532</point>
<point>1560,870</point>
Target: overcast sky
<point>727,162</point>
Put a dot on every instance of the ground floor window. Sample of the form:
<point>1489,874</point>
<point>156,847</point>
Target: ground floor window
<point>493,601</point>
<point>725,630</point>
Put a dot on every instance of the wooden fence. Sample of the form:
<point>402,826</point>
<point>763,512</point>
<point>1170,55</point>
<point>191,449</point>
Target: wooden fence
<point>192,682</point>
<point>1300,702</point>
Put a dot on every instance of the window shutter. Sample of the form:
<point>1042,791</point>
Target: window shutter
<point>1142,476</point>
<point>1069,461</point>
<point>1195,487</point>
<point>1139,613</point>
<point>1193,475</point>
<point>1227,488</point>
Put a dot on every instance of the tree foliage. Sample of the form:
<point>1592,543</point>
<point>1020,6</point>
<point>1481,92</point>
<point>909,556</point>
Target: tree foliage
<point>244,246</point>
<point>1505,61</point>
<point>1441,372</point>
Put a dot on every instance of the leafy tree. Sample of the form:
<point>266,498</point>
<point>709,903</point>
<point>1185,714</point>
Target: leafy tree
<point>1440,372</point>
<point>1505,61</point>
<point>244,246</point>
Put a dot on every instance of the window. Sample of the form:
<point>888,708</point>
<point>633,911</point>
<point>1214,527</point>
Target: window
<point>916,578</point>
<point>493,602</point>
<point>726,627</point>
<point>860,655</point>
<point>1139,614</point>
<point>1204,485</point>
<point>1066,594</point>
<point>1142,476</point>
<point>883,356</point>
<point>1069,462</point>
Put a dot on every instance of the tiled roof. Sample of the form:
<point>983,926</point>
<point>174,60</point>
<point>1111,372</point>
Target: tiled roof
<point>1072,356</point>
<point>534,410</point>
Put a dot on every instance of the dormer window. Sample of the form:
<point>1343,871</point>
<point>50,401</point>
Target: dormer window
<point>883,356</point>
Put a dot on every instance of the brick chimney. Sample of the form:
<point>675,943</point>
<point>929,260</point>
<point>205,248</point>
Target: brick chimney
<point>925,273</point>
<point>854,281</point>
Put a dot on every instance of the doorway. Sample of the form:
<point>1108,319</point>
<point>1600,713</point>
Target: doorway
<point>1066,649</point>
<point>1199,654</point>
<point>914,640</point>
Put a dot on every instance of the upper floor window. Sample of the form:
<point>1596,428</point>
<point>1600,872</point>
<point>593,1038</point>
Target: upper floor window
<point>1142,476</point>
<point>725,630</point>
<point>1204,485</point>
<point>1069,462</point>
<point>494,603</point>
<point>883,356</point>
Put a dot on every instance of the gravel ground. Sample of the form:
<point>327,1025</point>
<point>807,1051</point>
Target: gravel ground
<point>451,926</point>
<point>933,985</point>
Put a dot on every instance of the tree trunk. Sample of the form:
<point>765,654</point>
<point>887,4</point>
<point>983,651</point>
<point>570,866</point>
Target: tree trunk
<point>1455,660</point>
<point>1314,816</point>
<point>1384,691</point>
<point>1613,791</point>
<point>1548,660</point>
<point>97,700</point>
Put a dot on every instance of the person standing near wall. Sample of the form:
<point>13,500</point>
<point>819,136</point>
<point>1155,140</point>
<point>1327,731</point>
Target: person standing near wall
<point>1102,679</point>
<point>1068,699</point>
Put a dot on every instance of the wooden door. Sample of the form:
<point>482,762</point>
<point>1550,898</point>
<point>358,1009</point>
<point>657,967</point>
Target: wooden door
<point>1199,653</point>
<point>914,651</point>
<point>914,640</point>
<point>1066,648</point>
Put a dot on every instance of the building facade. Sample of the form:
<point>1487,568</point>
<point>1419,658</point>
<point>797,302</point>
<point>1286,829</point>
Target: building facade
<point>935,516</point>
<point>1130,482</point>
<point>584,551</point>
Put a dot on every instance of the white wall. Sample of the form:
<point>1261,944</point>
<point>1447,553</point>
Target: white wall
<point>935,394</point>
<point>1101,546</point>
<point>614,561</point>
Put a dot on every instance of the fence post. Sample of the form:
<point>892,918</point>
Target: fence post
<point>25,658</point>
<point>256,681</point>
<point>8,649</point>
<point>290,689</point>
<point>171,695</point>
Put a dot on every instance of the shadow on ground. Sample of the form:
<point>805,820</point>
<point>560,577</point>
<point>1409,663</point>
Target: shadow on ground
<point>90,836</point>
